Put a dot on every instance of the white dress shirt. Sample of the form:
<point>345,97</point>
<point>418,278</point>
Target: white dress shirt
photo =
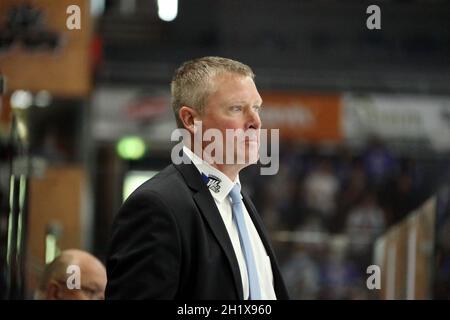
<point>220,186</point>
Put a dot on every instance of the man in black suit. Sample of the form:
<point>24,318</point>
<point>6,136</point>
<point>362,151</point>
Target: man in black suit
<point>186,233</point>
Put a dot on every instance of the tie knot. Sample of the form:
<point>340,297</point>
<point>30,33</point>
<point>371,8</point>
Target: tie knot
<point>235,193</point>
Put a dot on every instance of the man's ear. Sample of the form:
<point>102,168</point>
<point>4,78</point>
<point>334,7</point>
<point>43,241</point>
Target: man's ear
<point>188,116</point>
<point>54,290</point>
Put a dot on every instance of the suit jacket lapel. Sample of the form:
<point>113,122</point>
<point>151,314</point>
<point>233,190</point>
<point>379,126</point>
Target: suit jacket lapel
<point>209,210</point>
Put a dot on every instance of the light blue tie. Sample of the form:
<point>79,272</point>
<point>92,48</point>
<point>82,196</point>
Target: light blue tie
<point>238,215</point>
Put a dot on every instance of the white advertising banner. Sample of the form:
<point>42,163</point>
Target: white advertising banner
<point>398,117</point>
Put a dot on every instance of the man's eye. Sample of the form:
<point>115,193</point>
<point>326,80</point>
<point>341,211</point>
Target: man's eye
<point>257,108</point>
<point>89,291</point>
<point>236,108</point>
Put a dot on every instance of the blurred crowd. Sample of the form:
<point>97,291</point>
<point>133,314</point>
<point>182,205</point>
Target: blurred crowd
<point>325,209</point>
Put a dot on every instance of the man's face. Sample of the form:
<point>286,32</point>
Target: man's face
<point>234,104</point>
<point>92,284</point>
<point>93,281</point>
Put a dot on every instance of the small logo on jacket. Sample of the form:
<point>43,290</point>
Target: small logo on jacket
<point>214,183</point>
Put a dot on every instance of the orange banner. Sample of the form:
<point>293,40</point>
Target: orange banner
<point>303,117</point>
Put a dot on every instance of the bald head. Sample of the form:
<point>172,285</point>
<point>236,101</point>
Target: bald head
<point>54,283</point>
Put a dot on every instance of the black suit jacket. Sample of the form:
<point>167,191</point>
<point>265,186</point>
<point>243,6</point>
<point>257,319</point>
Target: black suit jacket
<point>169,242</point>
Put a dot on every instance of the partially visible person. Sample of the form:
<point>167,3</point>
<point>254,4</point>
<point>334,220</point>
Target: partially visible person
<point>54,284</point>
<point>364,223</point>
<point>321,187</point>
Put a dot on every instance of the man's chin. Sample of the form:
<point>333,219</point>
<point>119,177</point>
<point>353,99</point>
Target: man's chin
<point>253,160</point>
<point>251,157</point>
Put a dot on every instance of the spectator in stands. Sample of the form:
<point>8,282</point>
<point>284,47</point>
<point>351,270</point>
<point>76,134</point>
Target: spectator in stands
<point>321,187</point>
<point>364,223</point>
<point>379,163</point>
<point>58,281</point>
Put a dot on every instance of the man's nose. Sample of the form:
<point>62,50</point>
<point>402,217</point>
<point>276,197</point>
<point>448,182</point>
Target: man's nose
<point>253,120</point>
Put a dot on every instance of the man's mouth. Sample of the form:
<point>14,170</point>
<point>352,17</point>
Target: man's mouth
<point>251,140</point>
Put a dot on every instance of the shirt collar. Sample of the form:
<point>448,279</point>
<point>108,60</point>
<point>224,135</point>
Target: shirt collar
<point>218,183</point>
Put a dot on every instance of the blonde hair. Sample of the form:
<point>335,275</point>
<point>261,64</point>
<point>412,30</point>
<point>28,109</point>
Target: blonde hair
<point>193,81</point>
